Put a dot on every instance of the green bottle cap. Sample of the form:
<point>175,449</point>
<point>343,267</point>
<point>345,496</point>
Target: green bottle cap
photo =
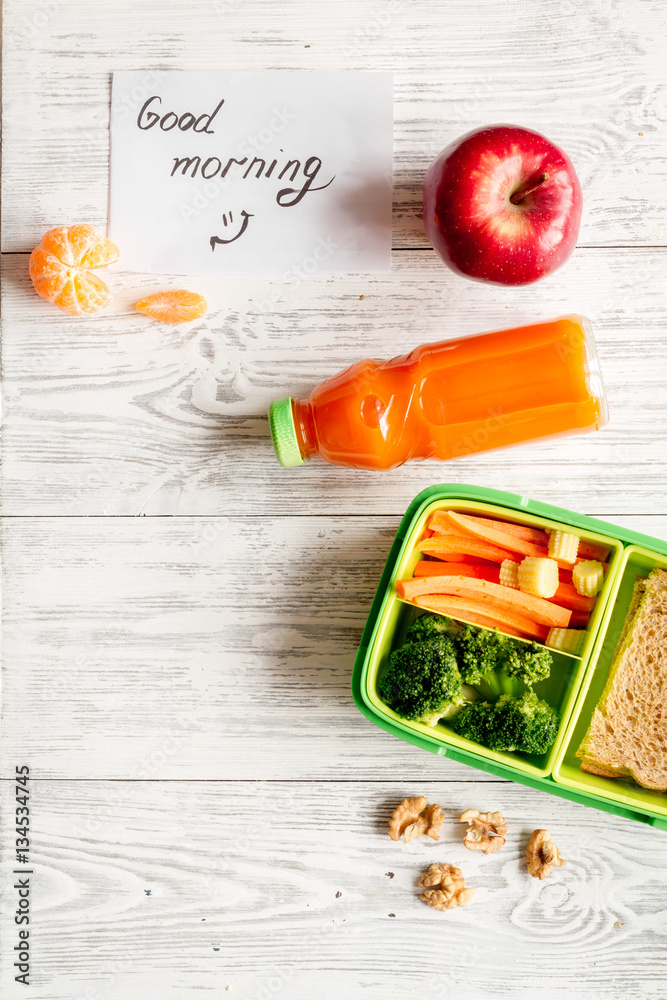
<point>283,432</point>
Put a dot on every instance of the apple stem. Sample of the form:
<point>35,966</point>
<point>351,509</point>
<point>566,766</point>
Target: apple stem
<point>522,193</point>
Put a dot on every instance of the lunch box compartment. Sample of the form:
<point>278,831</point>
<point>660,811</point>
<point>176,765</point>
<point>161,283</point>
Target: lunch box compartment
<point>396,616</point>
<point>637,561</point>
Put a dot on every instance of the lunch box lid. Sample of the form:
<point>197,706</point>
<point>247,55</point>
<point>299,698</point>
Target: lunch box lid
<point>513,502</point>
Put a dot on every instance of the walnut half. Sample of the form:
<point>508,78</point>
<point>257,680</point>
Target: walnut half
<point>486,831</point>
<point>413,818</point>
<point>447,887</point>
<point>542,855</point>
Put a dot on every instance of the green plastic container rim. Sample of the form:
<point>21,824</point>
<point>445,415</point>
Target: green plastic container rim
<point>512,501</point>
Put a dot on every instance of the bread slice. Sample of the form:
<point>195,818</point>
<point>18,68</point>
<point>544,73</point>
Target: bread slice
<point>627,736</point>
<point>593,767</point>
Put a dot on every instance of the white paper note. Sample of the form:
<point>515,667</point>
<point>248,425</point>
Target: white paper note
<point>251,173</point>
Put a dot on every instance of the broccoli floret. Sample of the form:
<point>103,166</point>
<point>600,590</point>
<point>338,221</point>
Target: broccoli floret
<point>472,721</point>
<point>480,652</point>
<point>534,721</point>
<point>496,665</point>
<point>528,662</point>
<point>423,682</point>
<point>430,626</point>
<point>527,723</point>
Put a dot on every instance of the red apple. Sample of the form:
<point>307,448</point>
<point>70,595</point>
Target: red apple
<point>502,204</point>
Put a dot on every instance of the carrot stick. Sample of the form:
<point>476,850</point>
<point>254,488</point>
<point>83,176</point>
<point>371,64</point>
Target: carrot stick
<point>451,557</point>
<point>502,618</point>
<point>536,535</point>
<point>589,551</point>
<point>568,597</point>
<point>439,604</point>
<point>457,557</point>
<point>504,539</point>
<point>442,545</point>
<point>495,594</point>
<point>426,568</point>
<point>440,527</point>
<point>438,523</point>
<point>579,619</point>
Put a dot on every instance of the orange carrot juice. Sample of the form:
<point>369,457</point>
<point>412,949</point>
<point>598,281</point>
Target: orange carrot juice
<point>449,399</point>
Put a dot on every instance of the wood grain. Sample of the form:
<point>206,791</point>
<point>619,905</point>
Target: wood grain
<point>274,889</point>
<point>587,75</point>
<point>208,805</point>
<point>196,648</point>
<point>120,415</point>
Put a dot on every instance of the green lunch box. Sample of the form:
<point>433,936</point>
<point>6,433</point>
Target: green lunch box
<point>576,682</point>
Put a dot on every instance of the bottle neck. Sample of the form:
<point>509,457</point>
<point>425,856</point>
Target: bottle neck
<point>304,428</point>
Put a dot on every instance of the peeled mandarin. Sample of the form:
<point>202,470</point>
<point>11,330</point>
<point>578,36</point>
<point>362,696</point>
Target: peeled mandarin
<point>179,306</point>
<point>60,268</point>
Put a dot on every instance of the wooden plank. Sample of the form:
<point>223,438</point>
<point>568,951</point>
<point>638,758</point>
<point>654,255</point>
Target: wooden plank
<point>587,75</point>
<point>196,648</point>
<point>116,414</point>
<point>192,648</point>
<point>284,889</point>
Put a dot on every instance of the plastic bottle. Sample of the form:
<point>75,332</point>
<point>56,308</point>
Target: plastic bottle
<point>449,399</point>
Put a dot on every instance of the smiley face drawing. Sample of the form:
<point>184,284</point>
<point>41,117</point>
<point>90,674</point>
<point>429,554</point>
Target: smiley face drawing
<point>215,240</point>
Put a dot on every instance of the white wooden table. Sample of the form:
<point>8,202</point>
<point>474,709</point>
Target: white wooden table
<point>209,808</point>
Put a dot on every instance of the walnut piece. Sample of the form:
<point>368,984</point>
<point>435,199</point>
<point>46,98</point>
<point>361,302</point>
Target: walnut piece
<point>447,887</point>
<point>413,818</point>
<point>405,816</point>
<point>486,831</point>
<point>434,817</point>
<point>542,855</point>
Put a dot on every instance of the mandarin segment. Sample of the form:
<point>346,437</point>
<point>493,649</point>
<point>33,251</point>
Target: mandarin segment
<point>67,300</point>
<point>59,268</point>
<point>47,273</point>
<point>81,240</point>
<point>55,242</point>
<point>179,306</point>
<point>90,291</point>
<point>100,254</point>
